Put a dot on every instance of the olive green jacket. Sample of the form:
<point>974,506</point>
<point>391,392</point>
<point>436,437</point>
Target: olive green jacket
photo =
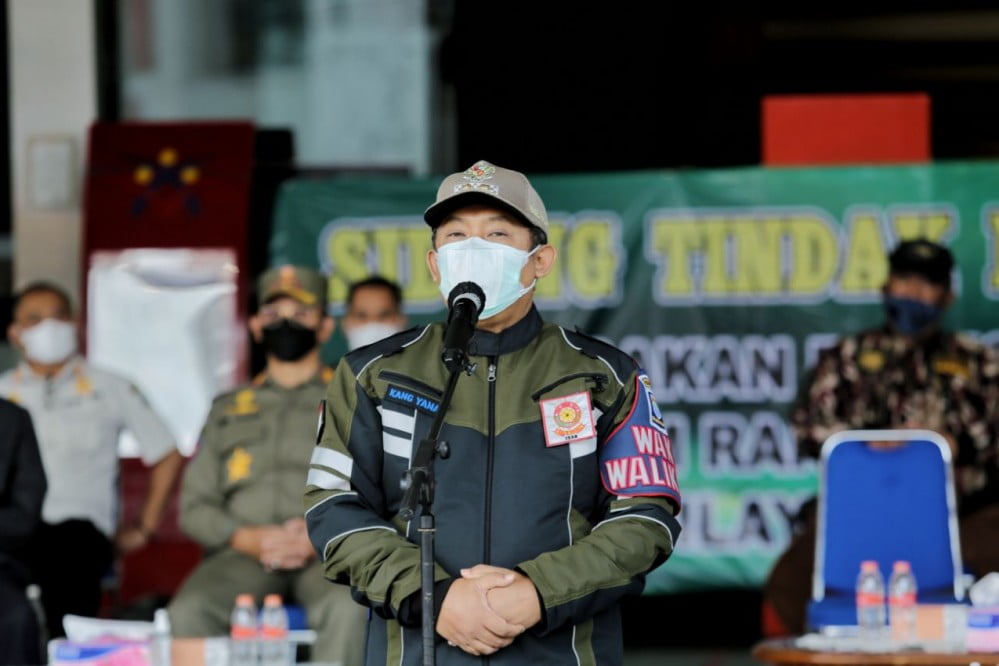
<point>507,495</point>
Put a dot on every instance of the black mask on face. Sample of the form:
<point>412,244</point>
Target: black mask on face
<point>288,340</point>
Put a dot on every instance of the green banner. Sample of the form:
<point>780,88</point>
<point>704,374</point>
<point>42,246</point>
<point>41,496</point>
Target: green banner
<point>723,284</point>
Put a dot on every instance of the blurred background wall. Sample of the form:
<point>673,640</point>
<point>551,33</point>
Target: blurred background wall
<point>423,86</point>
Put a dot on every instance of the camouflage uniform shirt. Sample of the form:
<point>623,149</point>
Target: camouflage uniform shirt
<point>948,383</point>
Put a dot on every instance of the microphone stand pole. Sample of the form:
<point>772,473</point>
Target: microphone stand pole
<point>418,486</point>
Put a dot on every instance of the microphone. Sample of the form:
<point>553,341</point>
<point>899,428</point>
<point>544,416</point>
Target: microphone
<point>465,304</point>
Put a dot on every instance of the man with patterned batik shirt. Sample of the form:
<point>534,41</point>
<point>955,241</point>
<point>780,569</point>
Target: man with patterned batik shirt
<point>907,373</point>
<point>559,492</point>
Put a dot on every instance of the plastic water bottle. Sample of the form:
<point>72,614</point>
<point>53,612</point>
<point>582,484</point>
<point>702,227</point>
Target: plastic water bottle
<point>243,632</point>
<point>161,638</point>
<point>870,603</point>
<point>275,650</point>
<point>902,603</point>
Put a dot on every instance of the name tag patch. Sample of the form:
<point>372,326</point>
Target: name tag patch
<point>567,419</point>
<point>413,399</point>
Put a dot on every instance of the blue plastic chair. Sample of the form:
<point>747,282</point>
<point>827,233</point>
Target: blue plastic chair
<point>297,620</point>
<point>884,505</point>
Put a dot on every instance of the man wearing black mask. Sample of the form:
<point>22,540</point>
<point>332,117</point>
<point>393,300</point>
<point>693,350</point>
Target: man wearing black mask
<point>241,496</point>
<point>907,373</point>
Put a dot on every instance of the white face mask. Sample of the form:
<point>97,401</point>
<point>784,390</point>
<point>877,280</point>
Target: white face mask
<point>365,334</point>
<point>49,341</point>
<point>493,266</point>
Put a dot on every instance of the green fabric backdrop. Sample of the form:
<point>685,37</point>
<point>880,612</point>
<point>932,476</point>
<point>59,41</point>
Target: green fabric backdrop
<point>723,284</point>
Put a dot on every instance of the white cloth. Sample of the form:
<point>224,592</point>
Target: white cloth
<point>78,416</point>
<point>165,319</point>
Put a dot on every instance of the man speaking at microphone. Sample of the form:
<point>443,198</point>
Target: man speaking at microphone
<point>559,492</point>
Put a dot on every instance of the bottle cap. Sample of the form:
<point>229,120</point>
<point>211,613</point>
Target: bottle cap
<point>869,565</point>
<point>901,565</point>
<point>244,600</point>
<point>272,600</point>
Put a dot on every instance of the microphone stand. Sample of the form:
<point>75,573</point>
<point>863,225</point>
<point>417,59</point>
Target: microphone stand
<point>418,486</point>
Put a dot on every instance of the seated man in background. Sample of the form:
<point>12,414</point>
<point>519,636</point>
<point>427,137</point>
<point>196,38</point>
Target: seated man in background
<point>374,311</point>
<point>241,497</point>
<point>22,489</point>
<point>907,373</point>
<point>78,413</point>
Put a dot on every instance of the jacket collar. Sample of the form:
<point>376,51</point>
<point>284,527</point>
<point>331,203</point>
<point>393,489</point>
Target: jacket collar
<point>72,367</point>
<point>322,377</point>
<point>508,340</point>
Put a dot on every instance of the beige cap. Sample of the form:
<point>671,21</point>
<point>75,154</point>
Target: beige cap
<point>305,285</point>
<point>487,184</point>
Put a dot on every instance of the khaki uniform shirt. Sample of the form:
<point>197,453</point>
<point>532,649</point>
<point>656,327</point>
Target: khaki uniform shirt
<point>252,459</point>
<point>78,416</point>
<point>948,383</point>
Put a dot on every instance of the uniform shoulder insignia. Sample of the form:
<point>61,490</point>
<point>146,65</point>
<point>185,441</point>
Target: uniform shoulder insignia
<point>83,385</point>
<point>951,365</point>
<point>244,402</point>
<point>871,360</point>
<point>326,374</point>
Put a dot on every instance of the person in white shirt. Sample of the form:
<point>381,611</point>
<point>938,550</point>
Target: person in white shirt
<point>79,412</point>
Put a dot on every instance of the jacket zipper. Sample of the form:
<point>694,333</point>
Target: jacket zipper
<point>487,546</point>
<point>491,379</point>
<point>599,379</point>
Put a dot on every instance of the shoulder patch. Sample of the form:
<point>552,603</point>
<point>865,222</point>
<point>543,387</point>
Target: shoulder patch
<point>637,458</point>
<point>243,403</point>
<point>871,360</point>
<point>84,386</point>
<point>951,365</point>
<point>567,418</point>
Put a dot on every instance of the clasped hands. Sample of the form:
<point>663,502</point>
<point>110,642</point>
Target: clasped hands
<point>487,608</point>
<point>277,547</point>
<point>286,547</point>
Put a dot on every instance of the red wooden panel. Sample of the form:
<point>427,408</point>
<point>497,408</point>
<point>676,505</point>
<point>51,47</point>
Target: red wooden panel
<point>161,566</point>
<point>163,185</point>
<point>845,129</point>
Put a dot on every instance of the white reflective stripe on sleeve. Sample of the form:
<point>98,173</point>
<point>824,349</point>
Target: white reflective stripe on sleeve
<point>325,480</point>
<point>397,446</point>
<point>397,420</point>
<point>332,459</point>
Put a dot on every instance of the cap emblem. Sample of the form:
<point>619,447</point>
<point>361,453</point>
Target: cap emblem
<point>475,176</point>
<point>288,279</point>
<point>481,170</point>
